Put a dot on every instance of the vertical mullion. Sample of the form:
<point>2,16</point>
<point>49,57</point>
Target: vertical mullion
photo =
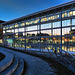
<point>71,30</point>
<point>52,34</point>
<point>61,34</point>
<point>5,36</point>
<point>18,35</point>
<point>25,35</point>
<point>14,34</point>
<point>40,36</point>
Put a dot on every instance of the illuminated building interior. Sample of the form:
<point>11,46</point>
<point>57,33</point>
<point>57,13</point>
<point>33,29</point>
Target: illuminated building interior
<point>1,32</point>
<point>48,29</point>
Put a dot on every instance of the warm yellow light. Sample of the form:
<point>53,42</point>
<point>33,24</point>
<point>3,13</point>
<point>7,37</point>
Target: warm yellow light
<point>36,21</point>
<point>16,25</point>
<point>45,19</point>
<point>46,38</point>
<point>27,23</point>
<point>54,38</point>
<point>73,37</point>
<point>65,40</point>
<point>0,40</point>
<point>62,15</point>
<point>65,14</point>
<point>22,24</point>
<point>4,28</point>
<point>58,16</point>
<point>74,13</point>
<point>53,17</point>
<point>42,38</point>
<point>70,13</point>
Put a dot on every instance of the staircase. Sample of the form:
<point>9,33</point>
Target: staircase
<point>11,64</point>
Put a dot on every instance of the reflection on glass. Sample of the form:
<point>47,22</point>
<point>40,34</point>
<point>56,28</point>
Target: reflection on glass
<point>56,24</point>
<point>32,34</point>
<point>30,28</point>
<point>66,23</point>
<point>73,21</point>
<point>73,13</point>
<point>22,24</point>
<point>46,33</point>
<point>21,29</point>
<point>65,31</point>
<point>16,25</point>
<point>16,30</point>
<point>56,32</point>
<point>3,32</point>
<point>45,26</point>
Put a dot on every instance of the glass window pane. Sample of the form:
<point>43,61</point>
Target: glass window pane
<point>65,31</point>
<point>73,13</point>
<point>45,26</point>
<point>45,32</point>
<point>56,24</point>
<point>16,30</point>
<point>56,32</point>
<point>31,28</point>
<point>66,23</point>
<point>21,29</point>
<point>73,21</point>
<point>31,34</point>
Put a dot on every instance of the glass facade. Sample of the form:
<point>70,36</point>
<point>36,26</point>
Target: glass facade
<point>43,33</point>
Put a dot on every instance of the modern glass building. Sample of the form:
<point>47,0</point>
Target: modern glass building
<point>52,28</point>
<point>1,31</point>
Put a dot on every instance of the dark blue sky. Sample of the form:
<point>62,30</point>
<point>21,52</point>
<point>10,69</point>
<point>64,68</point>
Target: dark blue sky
<point>11,9</point>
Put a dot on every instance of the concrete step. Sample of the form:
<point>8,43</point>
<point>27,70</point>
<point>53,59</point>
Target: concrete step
<point>9,70</point>
<point>6,62</point>
<point>20,68</point>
